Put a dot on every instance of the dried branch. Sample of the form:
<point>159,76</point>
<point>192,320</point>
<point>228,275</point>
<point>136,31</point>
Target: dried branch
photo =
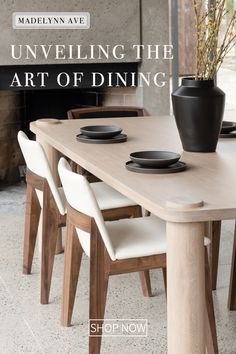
<point>209,52</point>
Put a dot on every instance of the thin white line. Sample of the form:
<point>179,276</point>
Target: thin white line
<point>20,316</point>
<point>33,335</point>
<point>120,335</point>
<point>118,319</point>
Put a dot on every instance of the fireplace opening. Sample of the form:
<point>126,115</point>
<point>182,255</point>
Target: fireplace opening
<point>56,103</point>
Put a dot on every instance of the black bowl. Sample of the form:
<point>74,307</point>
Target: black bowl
<point>154,158</point>
<point>101,131</point>
<point>228,127</point>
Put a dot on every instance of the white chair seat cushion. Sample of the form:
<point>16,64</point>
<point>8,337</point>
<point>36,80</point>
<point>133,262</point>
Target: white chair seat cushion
<point>138,237</point>
<point>131,238</point>
<point>109,198</point>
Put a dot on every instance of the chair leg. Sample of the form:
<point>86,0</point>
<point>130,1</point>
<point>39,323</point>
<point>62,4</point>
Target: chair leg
<point>211,335</point>
<point>73,256</point>
<point>165,279</point>
<point>232,287</point>
<point>73,166</point>
<point>214,251</point>
<point>146,283</point>
<point>98,289</point>
<point>49,241</point>
<point>143,275</point>
<point>31,228</point>
<point>59,246</point>
<point>146,212</point>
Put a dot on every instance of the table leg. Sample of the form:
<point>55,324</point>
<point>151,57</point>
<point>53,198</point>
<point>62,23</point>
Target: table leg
<point>186,288</point>
<point>53,157</point>
<point>214,230</point>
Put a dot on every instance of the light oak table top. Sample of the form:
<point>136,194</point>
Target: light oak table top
<point>210,177</point>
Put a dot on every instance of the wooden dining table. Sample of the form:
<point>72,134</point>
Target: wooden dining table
<point>187,201</point>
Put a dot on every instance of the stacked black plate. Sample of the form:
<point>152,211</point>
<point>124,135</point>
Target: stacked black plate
<point>101,134</point>
<point>153,162</point>
<point>228,130</point>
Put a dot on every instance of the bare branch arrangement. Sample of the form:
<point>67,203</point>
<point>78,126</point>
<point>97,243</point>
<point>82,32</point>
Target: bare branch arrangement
<point>211,53</point>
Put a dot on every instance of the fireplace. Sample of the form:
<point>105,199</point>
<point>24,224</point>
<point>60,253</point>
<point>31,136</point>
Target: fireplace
<point>20,106</point>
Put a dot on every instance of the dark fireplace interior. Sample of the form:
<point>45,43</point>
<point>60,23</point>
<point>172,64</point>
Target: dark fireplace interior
<point>55,103</point>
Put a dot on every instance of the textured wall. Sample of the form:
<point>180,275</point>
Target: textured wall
<point>155,30</point>
<point>112,22</point>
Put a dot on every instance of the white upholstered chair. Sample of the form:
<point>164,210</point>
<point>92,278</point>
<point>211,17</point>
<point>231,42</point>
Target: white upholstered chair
<point>43,194</point>
<point>114,248</point>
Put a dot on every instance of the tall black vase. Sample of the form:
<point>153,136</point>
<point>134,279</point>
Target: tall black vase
<point>198,107</point>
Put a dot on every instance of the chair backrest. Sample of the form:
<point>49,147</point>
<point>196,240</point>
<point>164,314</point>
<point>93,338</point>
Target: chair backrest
<point>106,112</point>
<point>37,163</point>
<point>80,196</point>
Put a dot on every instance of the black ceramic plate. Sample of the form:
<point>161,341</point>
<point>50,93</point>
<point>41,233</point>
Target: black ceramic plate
<point>116,139</point>
<point>176,167</point>
<point>101,131</point>
<point>228,127</point>
<point>154,158</point>
<point>228,135</point>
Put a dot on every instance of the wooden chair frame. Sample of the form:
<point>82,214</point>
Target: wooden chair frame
<point>75,113</point>
<point>101,267</point>
<point>52,220</point>
<point>232,286</point>
<point>214,260</point>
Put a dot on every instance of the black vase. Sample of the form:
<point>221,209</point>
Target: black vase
<point>198,107</point>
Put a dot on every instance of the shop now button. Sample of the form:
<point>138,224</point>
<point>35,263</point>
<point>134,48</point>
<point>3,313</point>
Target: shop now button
<point>51,20</point>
